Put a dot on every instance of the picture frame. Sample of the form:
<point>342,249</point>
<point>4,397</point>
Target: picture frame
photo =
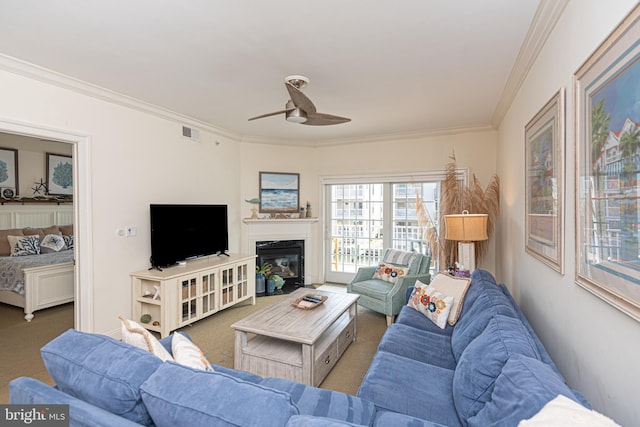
<point>59,175</point>
<point>9,169</point>
<point>545,183</point>
<point>607,159</point>
<point>279,192</point>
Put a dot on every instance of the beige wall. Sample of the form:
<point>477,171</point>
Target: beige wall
<point>32,159</point>
<point>474,150</point>
<point>136,159</point>
<point>593,344</point>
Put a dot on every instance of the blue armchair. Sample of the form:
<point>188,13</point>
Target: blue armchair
<point>381,294</point>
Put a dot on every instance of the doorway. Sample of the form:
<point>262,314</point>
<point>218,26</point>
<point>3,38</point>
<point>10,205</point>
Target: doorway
<point>80,149</point>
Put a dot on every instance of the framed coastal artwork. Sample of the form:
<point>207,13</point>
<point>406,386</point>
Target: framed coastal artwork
<point>279,192</point>
<point>59,174</point>
<point>9,169</point>
<point>607,96</point>
<point>544,183</point>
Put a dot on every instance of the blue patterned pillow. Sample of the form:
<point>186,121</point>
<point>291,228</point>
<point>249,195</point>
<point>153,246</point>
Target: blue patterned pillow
<point>24,245</point>
<point>68,240</point>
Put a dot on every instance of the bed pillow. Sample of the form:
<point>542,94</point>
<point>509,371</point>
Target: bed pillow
<point>66,230</point>
<point>68,240</point>
<point>5,247</point>
<point>31,231</point>
<point>24,245</point>
<point>52,243</point>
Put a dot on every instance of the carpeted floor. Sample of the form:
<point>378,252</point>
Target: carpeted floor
<point>21,341</point>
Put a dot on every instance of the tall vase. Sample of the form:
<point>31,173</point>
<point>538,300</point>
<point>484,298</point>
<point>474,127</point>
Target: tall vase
<point>271,286</point>
<point>260,280</point>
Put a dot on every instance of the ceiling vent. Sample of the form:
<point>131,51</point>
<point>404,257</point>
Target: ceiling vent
<point>191,133</point>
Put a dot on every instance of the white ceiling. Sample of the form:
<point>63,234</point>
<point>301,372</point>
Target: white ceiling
<point>395,67</point>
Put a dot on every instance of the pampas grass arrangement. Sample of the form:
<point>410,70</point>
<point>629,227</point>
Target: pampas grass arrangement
<point>454,198</point>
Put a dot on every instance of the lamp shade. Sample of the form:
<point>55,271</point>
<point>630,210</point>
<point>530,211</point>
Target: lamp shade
<point>466,227</point>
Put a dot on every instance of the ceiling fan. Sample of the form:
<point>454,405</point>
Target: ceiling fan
<point>300,109</point>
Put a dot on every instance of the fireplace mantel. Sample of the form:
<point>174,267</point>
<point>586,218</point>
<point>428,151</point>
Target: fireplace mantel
<point>284,229</point>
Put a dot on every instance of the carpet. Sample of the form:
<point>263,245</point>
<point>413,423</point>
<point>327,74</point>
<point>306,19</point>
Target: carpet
<point>21,341</point>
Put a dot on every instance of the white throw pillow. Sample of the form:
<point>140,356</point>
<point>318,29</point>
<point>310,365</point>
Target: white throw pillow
<point>186,353</point>
<point>456,287</point>
<point>432,303</point>
<point>564,412</point>
<point>134,334</point>
<point>24,245</point>
<point>52,243</point>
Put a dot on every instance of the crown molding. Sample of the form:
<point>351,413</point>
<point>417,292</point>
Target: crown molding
<point>543,23</point>
<point>23,68</point>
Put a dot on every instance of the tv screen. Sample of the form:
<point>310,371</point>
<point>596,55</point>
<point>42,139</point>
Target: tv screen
<point>181,232</point>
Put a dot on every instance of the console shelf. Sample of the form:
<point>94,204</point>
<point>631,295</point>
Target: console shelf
<point>178,296</point>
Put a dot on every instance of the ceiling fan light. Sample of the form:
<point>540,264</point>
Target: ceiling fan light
<point>296,116</point>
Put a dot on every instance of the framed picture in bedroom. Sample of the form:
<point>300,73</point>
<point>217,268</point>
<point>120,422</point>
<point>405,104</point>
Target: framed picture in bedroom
<point>9,169</point>
<point>59,175</point>
<point>279,192</point>
<point>607,137</point>
<point>544,183</point>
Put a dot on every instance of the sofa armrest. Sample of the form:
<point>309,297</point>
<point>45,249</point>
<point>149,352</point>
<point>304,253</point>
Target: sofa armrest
<point>25,390</point>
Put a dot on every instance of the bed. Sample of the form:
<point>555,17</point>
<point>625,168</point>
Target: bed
<point>35,282</point>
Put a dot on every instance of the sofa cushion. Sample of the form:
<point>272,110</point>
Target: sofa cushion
<point>372,288</point>
<point>410,317</point>
<point>101,371</point>
<point>523,387</point>
<point>483,360</point>
<point>312,421</point>
<point>417,344</point>
<point>400,384</point>
<point>491,303</point>
<point>179,395</point>
<point>433,304</point>
<point>394,419</point>
<point>325,403</point>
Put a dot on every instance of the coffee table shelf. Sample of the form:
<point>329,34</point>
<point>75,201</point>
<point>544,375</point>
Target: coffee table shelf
<point>313,347</point>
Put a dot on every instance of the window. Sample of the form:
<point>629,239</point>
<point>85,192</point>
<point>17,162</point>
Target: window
<point>365,217</point>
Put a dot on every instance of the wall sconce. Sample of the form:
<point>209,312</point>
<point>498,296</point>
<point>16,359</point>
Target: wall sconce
<point>466,229</point>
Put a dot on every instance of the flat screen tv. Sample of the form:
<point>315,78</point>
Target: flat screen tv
<point>182,232</point>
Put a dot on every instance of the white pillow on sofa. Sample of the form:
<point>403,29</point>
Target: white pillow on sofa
<point>456,287</point>
<point>186,353</point>
<point>564,412</point>
<point>134,334</point>
<point>432,303</point>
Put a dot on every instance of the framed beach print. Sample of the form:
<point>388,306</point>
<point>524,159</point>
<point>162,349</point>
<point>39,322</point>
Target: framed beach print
<point>9,169</point>
<point>607,89</point>
<point>279,192</point>
<point>59,174</point>
<point>544,183</point>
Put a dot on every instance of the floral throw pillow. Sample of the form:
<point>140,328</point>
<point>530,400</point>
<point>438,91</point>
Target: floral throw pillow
<point>390,272</point>
<point>432,303</point>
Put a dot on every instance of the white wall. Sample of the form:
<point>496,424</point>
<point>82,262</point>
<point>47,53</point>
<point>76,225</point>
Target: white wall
<point>594,345</point>
<point>136,159</point>
<point>474,150</point>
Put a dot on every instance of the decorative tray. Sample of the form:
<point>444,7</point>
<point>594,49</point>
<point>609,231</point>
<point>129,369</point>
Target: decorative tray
<point>308,305</point>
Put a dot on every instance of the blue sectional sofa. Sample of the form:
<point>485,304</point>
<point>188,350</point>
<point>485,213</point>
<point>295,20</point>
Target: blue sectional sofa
<point>489,369</point>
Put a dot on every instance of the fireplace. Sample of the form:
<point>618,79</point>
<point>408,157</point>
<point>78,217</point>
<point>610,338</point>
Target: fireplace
<point>286,258</point>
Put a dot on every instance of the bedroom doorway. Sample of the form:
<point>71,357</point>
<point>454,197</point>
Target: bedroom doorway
<point>80,153</point>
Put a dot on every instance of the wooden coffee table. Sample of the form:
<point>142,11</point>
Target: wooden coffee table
<point>301,345</point>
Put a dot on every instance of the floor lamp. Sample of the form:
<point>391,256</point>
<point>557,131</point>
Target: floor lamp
<point>466,229</point>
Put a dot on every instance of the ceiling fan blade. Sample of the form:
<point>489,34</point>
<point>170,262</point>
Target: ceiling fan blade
<point>300,99</point>
<point>322,119</point>
<point>275,113</point>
